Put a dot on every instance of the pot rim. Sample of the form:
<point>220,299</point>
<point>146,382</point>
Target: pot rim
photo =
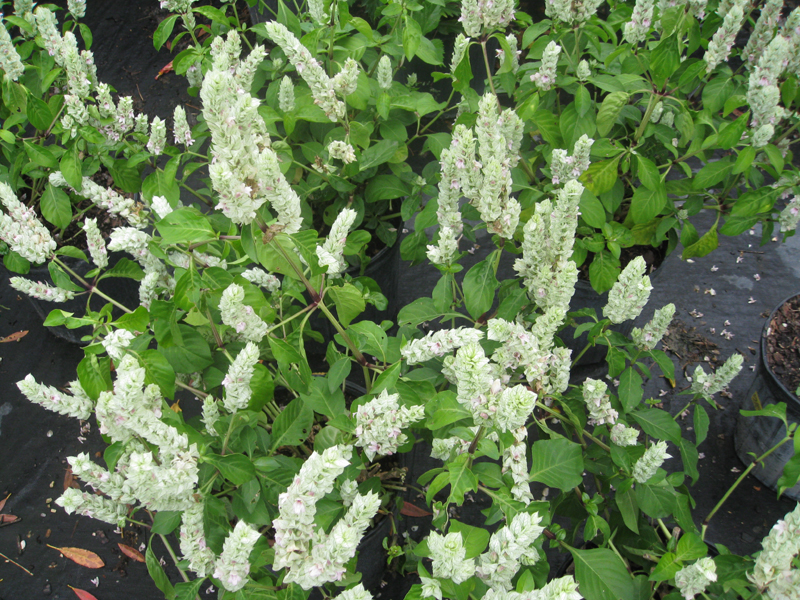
<point>763,348</point>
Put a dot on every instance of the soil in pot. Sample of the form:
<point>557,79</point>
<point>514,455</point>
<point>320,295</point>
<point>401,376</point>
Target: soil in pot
<point>755,435</point>
<point>783,344</point>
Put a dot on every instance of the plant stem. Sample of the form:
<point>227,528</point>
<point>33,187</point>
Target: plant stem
<point>340,330</point>
<point>744,474</point>
<point>664,529</point>
<point>228,434</point>
<point>488,68</point>
<point>646,118</point>
<point>308,308</point>
<point>174,557</point>
<point>16,563</point>
<point>89,286</point>
<point>189,388</point>
<point>558,415</point>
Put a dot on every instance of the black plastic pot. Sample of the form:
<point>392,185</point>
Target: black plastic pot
<point>586,297</point>
<point>756,435</point>
<point>125,291</point>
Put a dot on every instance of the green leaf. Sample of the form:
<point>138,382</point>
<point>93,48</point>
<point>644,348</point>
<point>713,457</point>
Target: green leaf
<point>94,375</point>
<point>775,157</point>
<point>188,590</point>
<point>557,463</point>
<point>648,173</point>
<point>703,246</point>
<point>189,355</point>
<point>659,424</point>
<point>135,321</point>
<point>157,573</point>
<point>166,521</point>
<point>712,174</point>
<point>666,58</point>
<point>323,400</point>
<point>421,310</point>
<point>629,509</point>
<point>212,13</point>
<point>293,425</point>
<point>236,468</point>
<point>592,210</point>
<point>41,155</point>
<point>548,127</point>
<point>461,478</point>
<point>443,410</point>
<point>601,176</point>
<point>185,225</point>
<point>667,567</point>
<point>791,470</point>
<point>370,338</point>
<point>378,154</point>
<point>479,287</point>
<point>609,112</point>
<point>159,371</point>
<point>701,423</point>
<point>630,389</point>
<point>691,547</point>
<point>386,187</point>
<point>647,203</point>
<point>163,31</point>
<point>601,575</point>
<point>583,100</point>
<point>349,302</point>
<point>39,113</point>
<point>603,271</point>
<point>412,35</point>
<point>125,267</point>
<point>126,178</point>
<point>732,134</point>
<point>475,539</point>
<point>55,206</point>
<point>71,168</point>
<point>655,501</point>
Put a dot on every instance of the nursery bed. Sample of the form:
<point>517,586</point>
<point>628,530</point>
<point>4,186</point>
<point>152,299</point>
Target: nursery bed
<point>726,300</point>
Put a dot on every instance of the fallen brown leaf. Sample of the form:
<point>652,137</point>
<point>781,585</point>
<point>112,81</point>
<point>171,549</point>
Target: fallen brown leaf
<point>131,552</point>
<point>3,502</point>
<point>83,594</point>
<point>8,520</point>
<point>166,69</point>
<point>410,510</point>
<point>69,480</point>
<point>85,558</point>
<point>14,337</point>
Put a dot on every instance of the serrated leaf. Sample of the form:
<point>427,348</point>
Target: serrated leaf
<point>706,244</point>
<point>236,468</point>
<point>479,287</point>
<point>712,174</point>
<point>349,302</point>
<point>377,154</point>
<point>630,389</point>
<point>71,168</point>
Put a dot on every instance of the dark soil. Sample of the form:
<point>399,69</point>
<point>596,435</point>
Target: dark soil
<point>783,344</point>
<point>689,345</point>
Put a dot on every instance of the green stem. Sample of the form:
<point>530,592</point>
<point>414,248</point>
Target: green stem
<point>139,523</point>
<point>90,287</point>
<point>174,557</point>
<point>664,529</point>
<point>585,349</point>
<point>205,200</point>
<point>308,308</point>
<point>228,434</point>
<point>340,330</point>
<point>189,388</point>
<point>646,118</point>
<point>558,415</point>
<point>744,474</point>
<point>488,68</point>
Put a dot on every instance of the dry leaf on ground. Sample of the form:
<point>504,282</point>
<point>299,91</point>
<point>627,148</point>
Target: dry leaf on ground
<point>131,552</point>
<point>14,337</point>
<point>85,558</point>
<point>409,510</point>
<point>83,594</point>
